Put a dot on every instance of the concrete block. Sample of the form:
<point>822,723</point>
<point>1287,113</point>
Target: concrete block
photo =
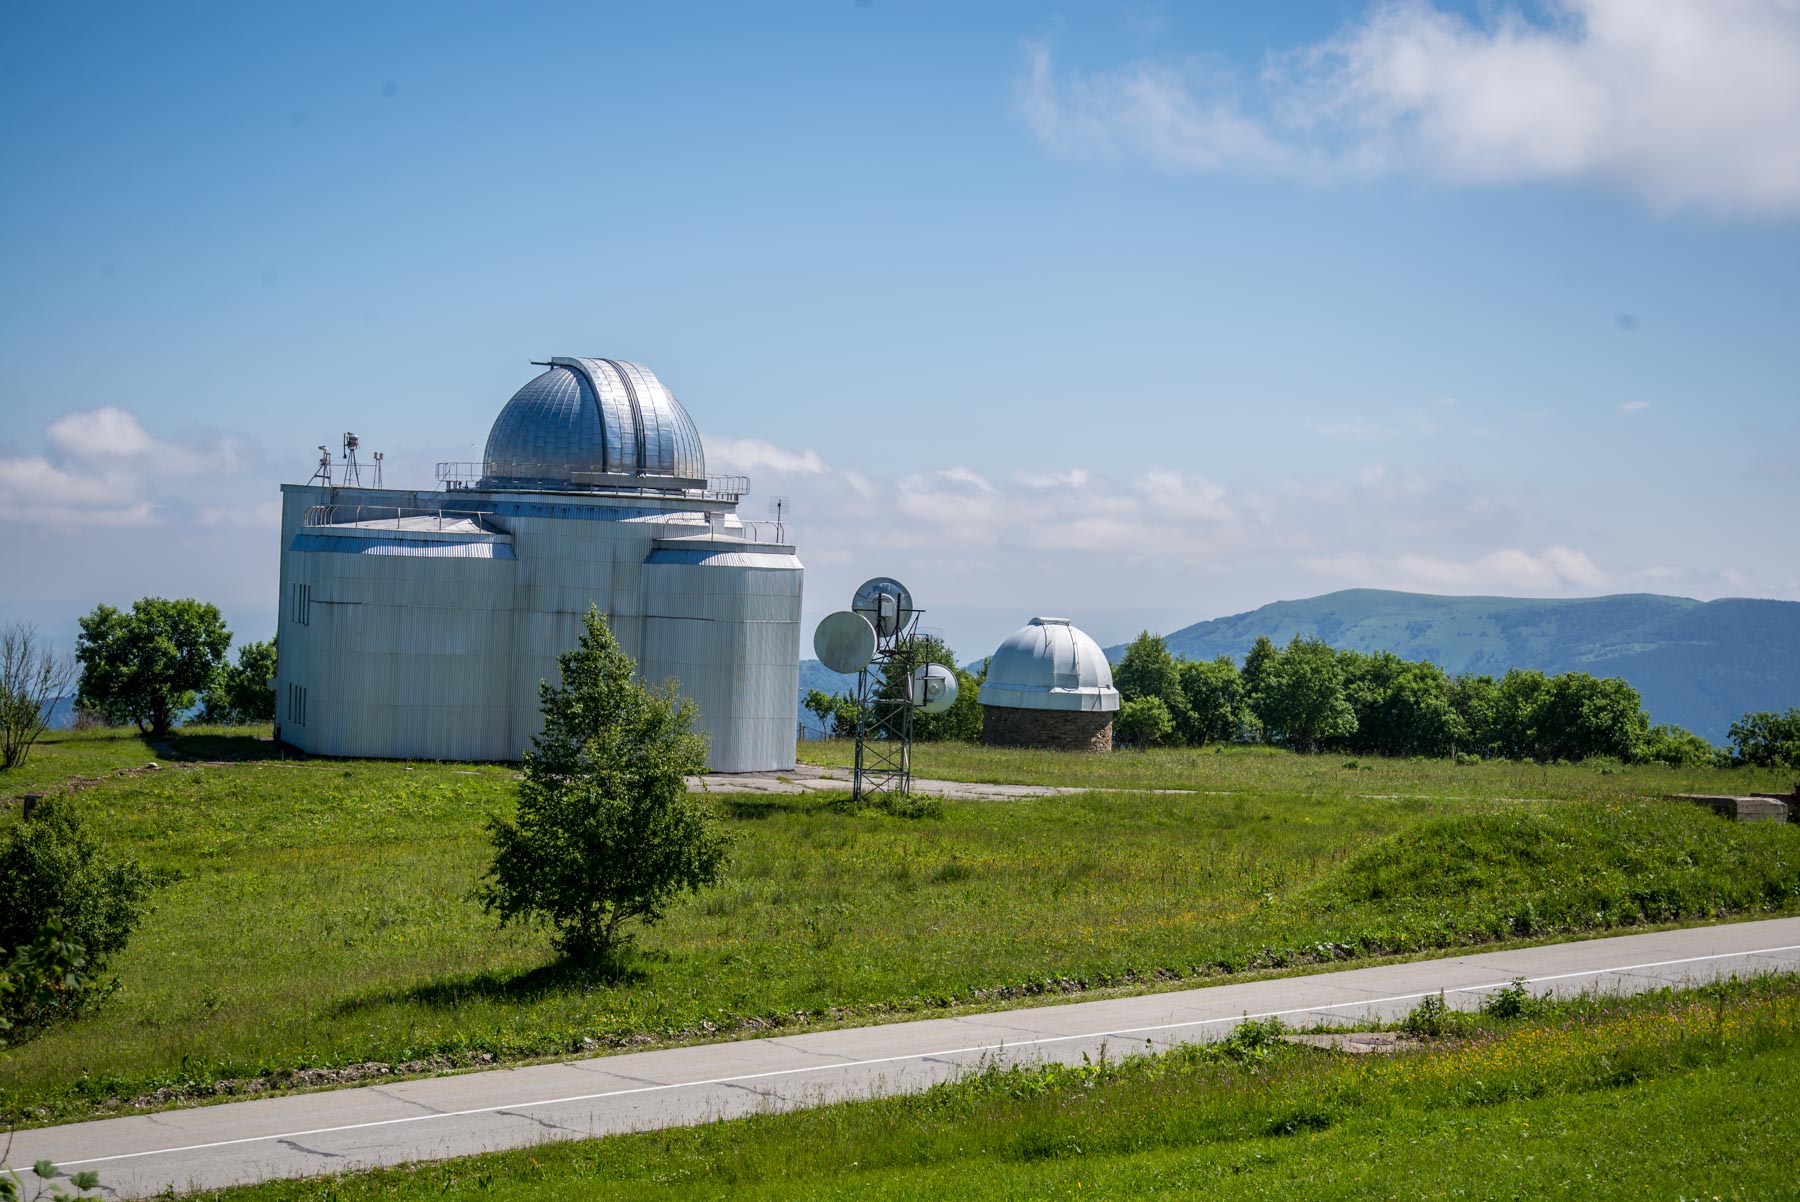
<point>1740,807</point>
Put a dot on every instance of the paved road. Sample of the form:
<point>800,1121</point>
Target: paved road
<point>329,1132</point>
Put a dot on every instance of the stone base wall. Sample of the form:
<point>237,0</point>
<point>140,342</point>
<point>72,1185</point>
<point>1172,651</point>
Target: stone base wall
<point>1059,730</point>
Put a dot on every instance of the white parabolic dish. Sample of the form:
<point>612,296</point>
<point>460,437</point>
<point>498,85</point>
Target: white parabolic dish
<point>844,642</point>
<point>888,618</point>
<point>932,688</point>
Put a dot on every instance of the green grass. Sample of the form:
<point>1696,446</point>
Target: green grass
<point>1263,769</point>
<point>60,756</point>
<point>1674,1095</point>
<point>320,914</point>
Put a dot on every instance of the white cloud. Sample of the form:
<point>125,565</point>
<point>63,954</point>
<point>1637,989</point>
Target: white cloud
<point>1634,406</point>
<point>102,467</point>
<point>963,475</point>
<point>1682,103</point>
<point>107,433</point>
<point>1075,477</point>
<point>1509,570</point>
<point>749,455</point>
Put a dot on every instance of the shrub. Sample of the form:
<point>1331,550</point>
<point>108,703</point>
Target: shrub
<point>606,832</point>
<point>145,665</point>
<point>1767,739</point>
<point>1512,1001</point>
<point>1433,1017</point>
<point>65,909</point>
<point>1143,722</point>
<point>241,693</point>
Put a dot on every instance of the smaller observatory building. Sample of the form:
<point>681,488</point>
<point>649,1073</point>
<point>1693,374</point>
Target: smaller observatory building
<point>1049,685</point>
<point>417,624</point>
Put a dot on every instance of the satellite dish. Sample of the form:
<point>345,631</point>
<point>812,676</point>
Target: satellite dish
<point>886,603</point>
<point>844,642</point>
<point>932,688</point>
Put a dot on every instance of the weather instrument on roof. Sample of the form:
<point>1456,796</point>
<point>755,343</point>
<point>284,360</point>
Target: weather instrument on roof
<point>878,639</point>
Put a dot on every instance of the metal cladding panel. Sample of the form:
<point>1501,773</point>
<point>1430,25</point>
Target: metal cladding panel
<point>416,548</point>
<point>553,421</point>
<point>585,417</point>
<point>440,656</point>
<point>743,673</point>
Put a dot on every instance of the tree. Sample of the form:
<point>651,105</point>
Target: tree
<point>1402,707</point>
<point>1303,702</point>
<point>836,712</point>
<point>1474,698</point>
<point>33,679</point>
<point>1259,662</point>
<point>1215,711</point>
<point>1515,713</point>
<point>241,693</point>
<point>146,665</point>
<point>1767,739</point>
<point>606,831</point>
<point>1668,744</point>
<point>1584,716</point>
<point>1143,722</point>
<point>961,723</point>
<point>1147,669</point>
<point>66,907</point>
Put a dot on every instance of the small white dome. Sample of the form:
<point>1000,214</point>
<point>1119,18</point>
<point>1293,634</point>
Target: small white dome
<point>1049,665</point>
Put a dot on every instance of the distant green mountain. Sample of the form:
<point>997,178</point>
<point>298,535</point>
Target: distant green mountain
<point>1699,664</point>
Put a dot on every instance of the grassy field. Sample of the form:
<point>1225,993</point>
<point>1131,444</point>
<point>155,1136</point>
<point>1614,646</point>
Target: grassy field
<point>1265,770</point>
<point>319,912</point>
<point>1665,1096</point>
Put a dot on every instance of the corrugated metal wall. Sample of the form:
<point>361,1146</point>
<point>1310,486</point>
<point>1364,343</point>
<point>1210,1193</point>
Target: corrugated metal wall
<point>437,652</point>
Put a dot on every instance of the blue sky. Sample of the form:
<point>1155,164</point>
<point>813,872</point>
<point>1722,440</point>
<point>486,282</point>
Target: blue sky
<point>1146,314</point>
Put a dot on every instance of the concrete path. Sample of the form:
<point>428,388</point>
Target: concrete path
<point>338,1130</point>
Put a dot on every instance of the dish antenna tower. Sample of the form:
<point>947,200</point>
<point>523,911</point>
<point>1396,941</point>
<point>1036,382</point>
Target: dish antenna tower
<point>877,638</point>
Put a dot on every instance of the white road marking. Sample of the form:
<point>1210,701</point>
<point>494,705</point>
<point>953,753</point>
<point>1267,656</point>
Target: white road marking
<point>848,1064</point>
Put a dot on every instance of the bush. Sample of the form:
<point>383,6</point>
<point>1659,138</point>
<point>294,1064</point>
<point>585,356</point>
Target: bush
<point>606,832</point>
<point>241,693</point>
<point>1143,722</point>
<point>1513,1001</point>
<point>65,909</point>
<point>146,665</point>
<point>1433,1017</point>
<point>1767,739</point>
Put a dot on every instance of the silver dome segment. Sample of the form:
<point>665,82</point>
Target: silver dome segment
<point>1049,664</point>
<point>594,423</point>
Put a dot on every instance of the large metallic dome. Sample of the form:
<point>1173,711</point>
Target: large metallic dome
<point>1048,664</point>
<point>588,423</point>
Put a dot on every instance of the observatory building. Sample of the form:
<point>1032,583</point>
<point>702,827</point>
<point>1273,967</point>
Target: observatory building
<point>418,624</point>
<point>1049,685</point>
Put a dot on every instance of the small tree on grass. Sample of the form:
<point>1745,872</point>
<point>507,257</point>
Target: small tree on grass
<point>33,678</point>
<point>66,907</point>
<point>607,832</point>
<point>241,693</point>
<point>146,664</point>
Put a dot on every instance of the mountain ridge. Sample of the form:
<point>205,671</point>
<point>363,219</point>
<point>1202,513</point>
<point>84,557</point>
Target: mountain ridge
<point>1698,664</point>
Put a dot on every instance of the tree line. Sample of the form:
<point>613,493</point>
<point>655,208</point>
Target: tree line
<point>961,723</point>
<point>1310,696</point>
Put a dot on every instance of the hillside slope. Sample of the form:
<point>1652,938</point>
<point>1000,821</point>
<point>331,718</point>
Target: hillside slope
<point>1697,664</point>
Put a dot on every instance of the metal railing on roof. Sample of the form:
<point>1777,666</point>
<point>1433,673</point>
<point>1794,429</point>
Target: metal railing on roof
<point>455,475</point>
<point>737,530</point>
<point>389,516</point>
